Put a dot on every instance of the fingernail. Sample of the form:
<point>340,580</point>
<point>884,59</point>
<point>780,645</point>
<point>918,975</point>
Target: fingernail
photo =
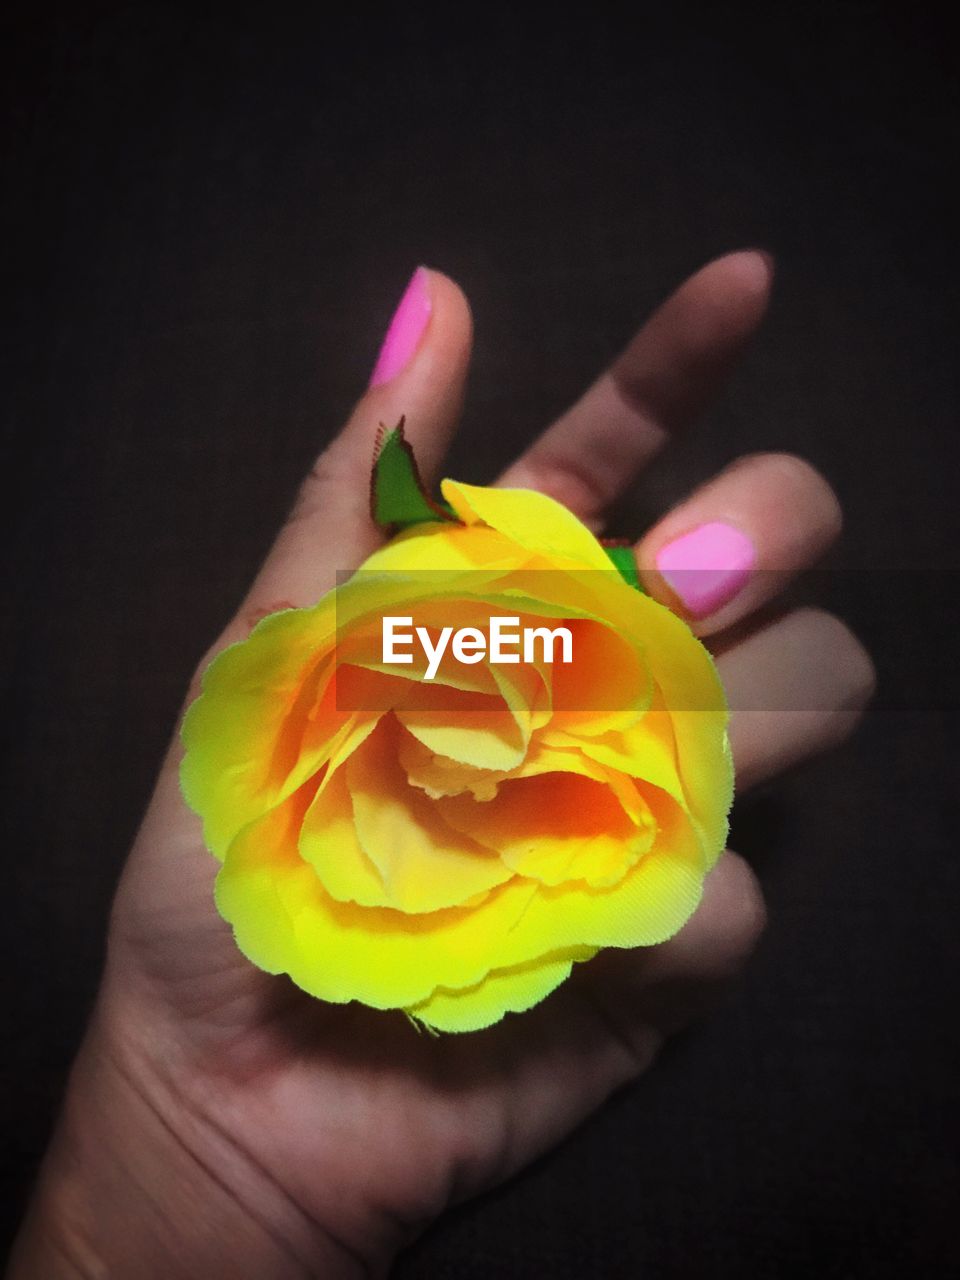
<point>707,566</point>
<point>406,328</point>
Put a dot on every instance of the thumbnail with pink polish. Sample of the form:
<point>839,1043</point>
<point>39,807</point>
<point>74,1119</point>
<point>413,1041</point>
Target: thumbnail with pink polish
<point>406,329</point>
<point>707,566</point>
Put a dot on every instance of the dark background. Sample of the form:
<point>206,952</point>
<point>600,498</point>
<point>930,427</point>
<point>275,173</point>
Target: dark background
<point>207,222</point>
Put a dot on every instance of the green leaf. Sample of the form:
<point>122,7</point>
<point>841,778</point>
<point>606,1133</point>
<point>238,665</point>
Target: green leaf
<point>397,494</point>
<point>625,563</point>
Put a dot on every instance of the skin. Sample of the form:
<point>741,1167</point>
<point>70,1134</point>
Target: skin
<point>220,1123</point>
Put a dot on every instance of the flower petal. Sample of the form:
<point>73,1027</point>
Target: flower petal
<point>599,820</point>
<point>555,827</point>
<point>285,922</point>
<point>646,750</point>
<point>473,728</point>
<point>424,864</point>
<point>529,519</point>
<point>502,991</point>
<point>237,763</point>
<point>436,549</point>
<point>328,842</point>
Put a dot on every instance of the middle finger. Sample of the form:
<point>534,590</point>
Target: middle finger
<point>667,375</point>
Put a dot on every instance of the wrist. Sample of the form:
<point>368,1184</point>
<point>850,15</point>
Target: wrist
<point>135,1185</point>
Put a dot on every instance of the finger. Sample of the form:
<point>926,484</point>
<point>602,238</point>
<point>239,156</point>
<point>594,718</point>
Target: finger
<point>420,375</point>
<point>798,706</point>
<point>796,687</point>
<point>605,1024</point>
<point>667,986</point>
<point>666,376</point>
<point>734,543</point>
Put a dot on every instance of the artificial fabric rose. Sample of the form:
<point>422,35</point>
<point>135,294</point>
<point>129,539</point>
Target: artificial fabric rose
<point>451,847</point>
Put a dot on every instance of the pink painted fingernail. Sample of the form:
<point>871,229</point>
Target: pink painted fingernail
<point>707,566</point>
<point>406,328</point>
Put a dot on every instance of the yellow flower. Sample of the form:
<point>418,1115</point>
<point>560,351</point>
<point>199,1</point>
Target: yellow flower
<point>451,847</point>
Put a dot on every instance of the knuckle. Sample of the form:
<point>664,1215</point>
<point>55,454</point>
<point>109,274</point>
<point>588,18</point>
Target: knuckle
<point>800,478</point>
<point>566,479</point>
<point>334,471</point>
<point>315,484</point>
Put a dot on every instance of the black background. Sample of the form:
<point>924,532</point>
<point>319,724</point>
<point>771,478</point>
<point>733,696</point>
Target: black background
<point>208,219</point>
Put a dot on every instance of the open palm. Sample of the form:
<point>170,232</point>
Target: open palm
<point>330,1135</point>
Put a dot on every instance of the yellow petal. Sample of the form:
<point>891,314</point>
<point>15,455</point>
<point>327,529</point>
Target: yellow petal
<point>503,991</point>
<point>530,519</point>
<point>556,827</point>
<point>652,901</point>
<point>439,775</point>
<point>424,864</point>
<point>457,949</point>
<point>362,644</point>
<point>645,749</point>
<point>237,763</point>
<point>607,686</point>
<point>328,842</point>
<point>285,922</point>
<point>691,694</point>
<point>686,686</point>
<point>472,728</point>
<point>438,548</point>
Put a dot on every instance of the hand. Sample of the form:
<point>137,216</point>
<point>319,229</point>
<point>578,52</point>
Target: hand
<point>219,1122</point>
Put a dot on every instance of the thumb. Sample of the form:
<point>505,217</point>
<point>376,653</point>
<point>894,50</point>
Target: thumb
<point>420,375</point>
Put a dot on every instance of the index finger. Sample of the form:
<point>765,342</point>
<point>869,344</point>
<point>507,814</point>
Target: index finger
<point>665,378</point>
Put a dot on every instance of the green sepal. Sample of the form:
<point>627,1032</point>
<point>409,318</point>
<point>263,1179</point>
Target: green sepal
<point>398,497</point>
<point>625,562</point>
